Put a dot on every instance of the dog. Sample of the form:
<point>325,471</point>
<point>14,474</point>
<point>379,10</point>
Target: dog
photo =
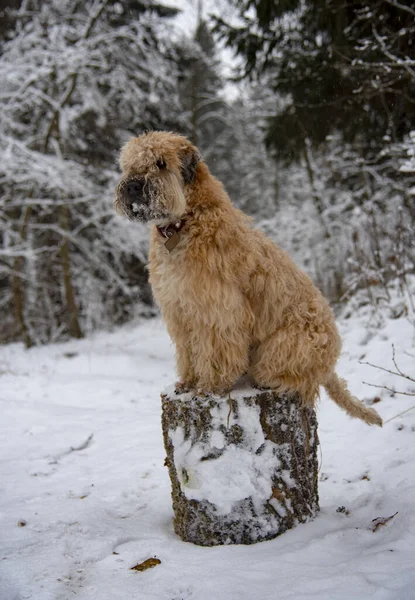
<point>233,301</point>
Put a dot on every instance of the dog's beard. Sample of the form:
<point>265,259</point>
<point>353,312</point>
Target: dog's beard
<point>145,213</point>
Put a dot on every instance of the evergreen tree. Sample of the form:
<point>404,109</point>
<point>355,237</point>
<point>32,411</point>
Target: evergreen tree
<point>340,66</point>
<point>226,132</point>
<point>201,88</point>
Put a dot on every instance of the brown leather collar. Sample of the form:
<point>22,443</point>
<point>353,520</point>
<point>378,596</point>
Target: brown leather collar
<point>167,231</point>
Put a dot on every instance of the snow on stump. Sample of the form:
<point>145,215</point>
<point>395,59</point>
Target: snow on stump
<point>243,469</point>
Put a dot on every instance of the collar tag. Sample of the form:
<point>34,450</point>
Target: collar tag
<point>171,234</point>
<point>172,242</point>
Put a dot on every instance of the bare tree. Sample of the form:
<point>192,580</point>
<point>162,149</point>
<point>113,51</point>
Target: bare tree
<point>76,84</point>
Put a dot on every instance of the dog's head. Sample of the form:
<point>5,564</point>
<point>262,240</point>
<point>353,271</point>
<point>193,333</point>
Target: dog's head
<point>157,170</point>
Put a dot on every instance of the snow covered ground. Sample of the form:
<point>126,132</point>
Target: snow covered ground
<point>84,495</point>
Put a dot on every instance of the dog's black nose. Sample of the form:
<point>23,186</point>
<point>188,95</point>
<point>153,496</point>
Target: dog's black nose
<point>134,189</point>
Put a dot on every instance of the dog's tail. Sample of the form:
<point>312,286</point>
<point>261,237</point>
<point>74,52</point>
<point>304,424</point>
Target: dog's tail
<point>338,392</point>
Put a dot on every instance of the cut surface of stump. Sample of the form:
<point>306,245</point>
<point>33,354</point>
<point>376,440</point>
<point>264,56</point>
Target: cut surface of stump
<point>243,468</point>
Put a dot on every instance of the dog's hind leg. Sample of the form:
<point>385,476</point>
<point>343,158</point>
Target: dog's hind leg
<point>274,363</point>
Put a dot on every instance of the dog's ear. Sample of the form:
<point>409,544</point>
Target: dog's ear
<point>190,157</point>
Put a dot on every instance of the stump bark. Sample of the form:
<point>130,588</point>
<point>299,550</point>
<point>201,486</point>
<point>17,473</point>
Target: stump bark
<point>243,469</point>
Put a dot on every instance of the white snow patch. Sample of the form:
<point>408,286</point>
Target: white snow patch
<point>236,474</point>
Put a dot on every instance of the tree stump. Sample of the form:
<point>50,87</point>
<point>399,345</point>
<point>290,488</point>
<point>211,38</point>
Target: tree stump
<point>243,469</point>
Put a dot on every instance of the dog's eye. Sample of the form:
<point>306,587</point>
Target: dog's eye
<point>160,164</point>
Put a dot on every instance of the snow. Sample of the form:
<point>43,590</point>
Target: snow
<point>77,512</point>
<point>238,473</point>
<point>223,482</point>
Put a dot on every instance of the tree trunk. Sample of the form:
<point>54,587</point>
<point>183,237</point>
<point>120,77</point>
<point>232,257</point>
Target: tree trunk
<point>17,288</point>
<point>243,469</point>
<point>73,321</point>
<point>315,194</point>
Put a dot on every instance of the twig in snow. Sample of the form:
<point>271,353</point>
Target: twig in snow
<point>400,414</point>
<point>385,387</point>
<point>379,521</point>
<point>398,373</point>
<point>230,407</point>
<point>397,368</point>
<point>85,444</point>
<point>81,446</point>
<point>386,370</point>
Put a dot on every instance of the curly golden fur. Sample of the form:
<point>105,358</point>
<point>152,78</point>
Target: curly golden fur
<point>233,301</point>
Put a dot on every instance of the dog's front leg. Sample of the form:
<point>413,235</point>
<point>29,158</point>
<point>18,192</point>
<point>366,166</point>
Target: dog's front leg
<point>180,334</point>
<point>220,357</point>
<point>185,369</point>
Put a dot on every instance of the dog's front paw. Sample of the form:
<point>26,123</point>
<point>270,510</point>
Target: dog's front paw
<point>214,391</point>
<point>203,392</point>
<point>182,387</point>
<point>261,388</point>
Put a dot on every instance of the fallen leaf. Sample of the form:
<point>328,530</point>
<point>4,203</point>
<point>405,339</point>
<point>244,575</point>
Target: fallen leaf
<point>147,564</point>
<point>379,521</point>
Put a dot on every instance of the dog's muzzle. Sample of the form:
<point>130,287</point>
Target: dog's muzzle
<point>133,199</point>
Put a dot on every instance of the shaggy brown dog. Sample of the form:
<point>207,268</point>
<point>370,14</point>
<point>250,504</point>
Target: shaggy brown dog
<point>233,301</point>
